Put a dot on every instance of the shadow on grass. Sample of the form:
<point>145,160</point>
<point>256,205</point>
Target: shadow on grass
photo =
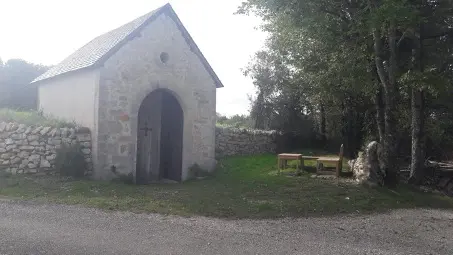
<point>242,187</point>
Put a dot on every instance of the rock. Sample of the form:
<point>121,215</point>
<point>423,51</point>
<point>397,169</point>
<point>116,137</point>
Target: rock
<point>86,151</point>
<point>23,154</point>
<point>44,164</point>
<point>5,156</point>
<point>5,162</point>
<point>27,148</point>
<point>45,130</point>
<point>32,166</point>
<point>86,144</point>
<point>84,137</point>
<point>34,143</point>
<point>16,160</point>
<point>2,145</point>
<point>2,126</point>
<point>32,170</point>
<point>36,130</point>
<point>54,141</point>
<point>72,133</point>
<point>33,138</point>
<point>66,141</point>
<point>366,168</point>
<point>18,136</point>
<point>2,150</point>
<point>20,128</point>
<point>34,157</point>
<point>11,147</point>
<point>22,142</point>
<point>9,141</point>
<point>51,157</point>
<point>64,132</point>
<point>28,130</point>
<point>13,171</point>
<point>40,149</point>
<point>11,127</point>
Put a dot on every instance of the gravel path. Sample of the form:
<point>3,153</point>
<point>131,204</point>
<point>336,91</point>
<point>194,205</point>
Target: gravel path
<point>27,228</point>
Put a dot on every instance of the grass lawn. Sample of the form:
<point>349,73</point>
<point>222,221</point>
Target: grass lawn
<point>242,187</point>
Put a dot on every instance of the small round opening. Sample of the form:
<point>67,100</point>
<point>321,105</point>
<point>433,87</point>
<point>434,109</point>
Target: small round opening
<point>164,57</point>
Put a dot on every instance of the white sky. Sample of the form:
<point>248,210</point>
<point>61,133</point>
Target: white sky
<point>47,31</point>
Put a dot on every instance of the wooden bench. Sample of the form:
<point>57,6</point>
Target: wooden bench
<point>338,161</point>
<point>284,157</point>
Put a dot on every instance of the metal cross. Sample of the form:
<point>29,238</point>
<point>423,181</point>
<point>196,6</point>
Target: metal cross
<point>146,129</point>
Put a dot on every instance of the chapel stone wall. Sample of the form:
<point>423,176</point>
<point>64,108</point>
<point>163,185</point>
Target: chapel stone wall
<point>131,74</point>
<point>241,142</point>
<point>33,149</point>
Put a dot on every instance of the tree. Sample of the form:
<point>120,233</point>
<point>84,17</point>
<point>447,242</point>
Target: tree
<point>390,63</point>
<point>15,89</point>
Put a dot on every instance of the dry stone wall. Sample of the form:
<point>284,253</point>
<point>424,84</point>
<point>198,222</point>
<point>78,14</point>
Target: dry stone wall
<point>231,142</point>
<point>33,149</point>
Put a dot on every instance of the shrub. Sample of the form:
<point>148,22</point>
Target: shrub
<point>33,118</point>
<point>70,161</point>
<point>122,178</point>
<point>196,171</point>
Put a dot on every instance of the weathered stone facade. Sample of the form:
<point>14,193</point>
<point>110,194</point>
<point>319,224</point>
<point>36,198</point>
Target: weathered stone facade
<point>232,142</point>
<point>134,72</point>
<point>31,150</point>
<point>115,72</point>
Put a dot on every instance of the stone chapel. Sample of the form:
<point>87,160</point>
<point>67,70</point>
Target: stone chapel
<point>147,94</point>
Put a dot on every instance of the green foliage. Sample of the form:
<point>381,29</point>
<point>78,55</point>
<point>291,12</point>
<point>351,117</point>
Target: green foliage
<point>70,161</point>
<point>236,121</point>
<point>320,54</point>
<point>15,89</point>
<point>32,118</point>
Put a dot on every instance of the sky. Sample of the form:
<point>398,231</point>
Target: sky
<point>47,31</point>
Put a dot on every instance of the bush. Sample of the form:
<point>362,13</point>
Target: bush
<point>122,178</point>
<point>196,171</point>
<point>33,118</point>
<point>70,161</point>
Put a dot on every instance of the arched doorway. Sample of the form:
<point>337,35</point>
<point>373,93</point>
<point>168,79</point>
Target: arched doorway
<point>159,138</point>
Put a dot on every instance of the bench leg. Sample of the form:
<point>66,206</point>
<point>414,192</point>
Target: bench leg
<point>338,170</point>
<point>279,165</point>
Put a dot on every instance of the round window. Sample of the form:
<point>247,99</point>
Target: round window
<point>164,57</point>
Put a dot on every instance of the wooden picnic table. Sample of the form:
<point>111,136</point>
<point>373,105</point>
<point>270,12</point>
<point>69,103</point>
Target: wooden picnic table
<point>284,157</point>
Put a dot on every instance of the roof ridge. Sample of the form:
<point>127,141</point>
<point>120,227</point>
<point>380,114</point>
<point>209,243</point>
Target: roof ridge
<point>98,50</point>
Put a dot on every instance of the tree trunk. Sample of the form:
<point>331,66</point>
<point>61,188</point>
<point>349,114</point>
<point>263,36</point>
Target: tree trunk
<point>387,77</point>
<point>323,125</point>
<point>390,142</point>
<point>418,123</point>
<point>380,115</point>
<point>418,119</point>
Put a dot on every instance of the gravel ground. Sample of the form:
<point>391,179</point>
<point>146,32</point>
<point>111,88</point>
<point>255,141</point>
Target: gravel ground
<point>27,228</point>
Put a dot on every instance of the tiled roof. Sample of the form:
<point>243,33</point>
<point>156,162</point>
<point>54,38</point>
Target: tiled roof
<point>99,49</point>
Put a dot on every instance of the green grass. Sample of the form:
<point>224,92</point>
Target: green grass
<point>243,187</point>
<point>32,118</point>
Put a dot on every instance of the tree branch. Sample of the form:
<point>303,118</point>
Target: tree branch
<point>444,33</point>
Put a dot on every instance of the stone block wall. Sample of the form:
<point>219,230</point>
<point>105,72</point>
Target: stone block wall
<point>231,142</point>
<point>32,149</point>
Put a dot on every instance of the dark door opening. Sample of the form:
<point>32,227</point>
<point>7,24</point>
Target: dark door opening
<point>159,138</point>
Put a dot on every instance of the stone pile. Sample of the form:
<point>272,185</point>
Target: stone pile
<point>231,141</point>
<point>366,168</point>
<point>30,149</point>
